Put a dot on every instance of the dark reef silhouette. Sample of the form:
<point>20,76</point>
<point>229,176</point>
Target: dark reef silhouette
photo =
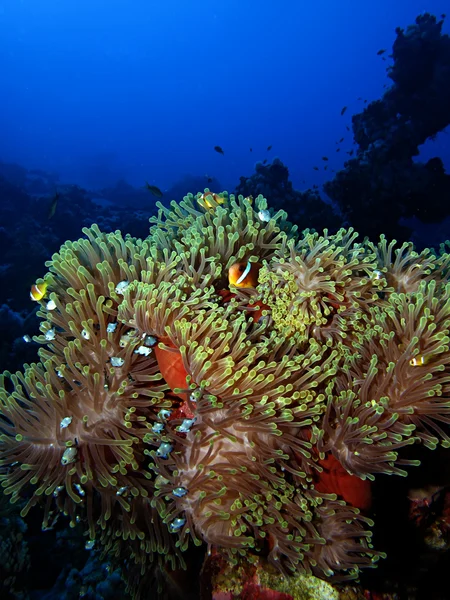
<point>383,184</point>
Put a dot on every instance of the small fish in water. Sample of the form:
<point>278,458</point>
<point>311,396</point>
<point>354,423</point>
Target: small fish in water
<point>264,216</point>
<point>421,360</point>
<point>65,422</point>
<point>325,167</point>
<point>69,456</point>
<point>244,274</point>
<point>53,205</point>
<point>38,291</point>
<point>143,350</point>
<point>324,157</point>
<point>350,152</point>
<point>341,140</point>
<point>251,149</point>
<point>208,178</point>
<point>219,149</point>
<point>365,101</point>
<point>343,110</point>
<point>50,334</point>
<point>264,161</point>
<point>210,199</point>
<point>338,149</point>
<point>347,128</point>
<point>380,52</point>
<point>316,168</point>
<point>269,147</point>
<point>164,450</point>
<point>117,361</point>
<point>177,524</point>
<point>126,339</point>
<point>153,189</point>
<point>443,16</point>
<point>121,287</point>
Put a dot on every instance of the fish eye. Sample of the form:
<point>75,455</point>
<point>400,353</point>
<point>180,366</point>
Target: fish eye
<point>241,268</point>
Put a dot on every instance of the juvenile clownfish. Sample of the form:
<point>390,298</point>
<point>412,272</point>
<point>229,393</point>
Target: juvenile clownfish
<point>244,274</point>
<point>38,291</point>
<point>205,200</point>
<point>420,361</point>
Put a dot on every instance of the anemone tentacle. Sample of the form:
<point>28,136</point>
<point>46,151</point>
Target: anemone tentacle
<point>171,407</point>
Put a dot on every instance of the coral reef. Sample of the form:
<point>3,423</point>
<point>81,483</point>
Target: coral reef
<point>174,407</point>
<point>14,554</point>
<point>28,237</point>
<point>95,581</point>
<point>306,209</point>
<point>382,180</point>
<point>261,581</point>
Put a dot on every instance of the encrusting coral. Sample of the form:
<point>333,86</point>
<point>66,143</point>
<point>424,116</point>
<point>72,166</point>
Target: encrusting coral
<point>173,405</point>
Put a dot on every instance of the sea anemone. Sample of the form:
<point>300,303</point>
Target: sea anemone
<point>73,424</point>
<point>172,407</point>
<point>320,285</point>
<point>394,387</point>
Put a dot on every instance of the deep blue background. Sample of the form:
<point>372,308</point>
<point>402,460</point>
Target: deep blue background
<point>102,89</point>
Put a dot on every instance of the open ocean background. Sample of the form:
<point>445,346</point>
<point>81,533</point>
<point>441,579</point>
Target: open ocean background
<point>103,90</point>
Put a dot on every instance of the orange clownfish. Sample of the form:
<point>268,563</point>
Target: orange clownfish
<point>38,291</point>
<point>205,200</point>
<point>244,274</point>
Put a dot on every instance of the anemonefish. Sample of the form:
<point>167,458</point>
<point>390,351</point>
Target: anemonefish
<point>421,360</point>
<point>38,291</point>
<point>244,274</point>
<point>205,200</point>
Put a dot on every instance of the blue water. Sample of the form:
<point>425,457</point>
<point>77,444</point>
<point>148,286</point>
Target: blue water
<point>144,90</point>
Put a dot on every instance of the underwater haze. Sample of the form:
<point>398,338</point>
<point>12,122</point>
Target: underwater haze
<point>144,90</point>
